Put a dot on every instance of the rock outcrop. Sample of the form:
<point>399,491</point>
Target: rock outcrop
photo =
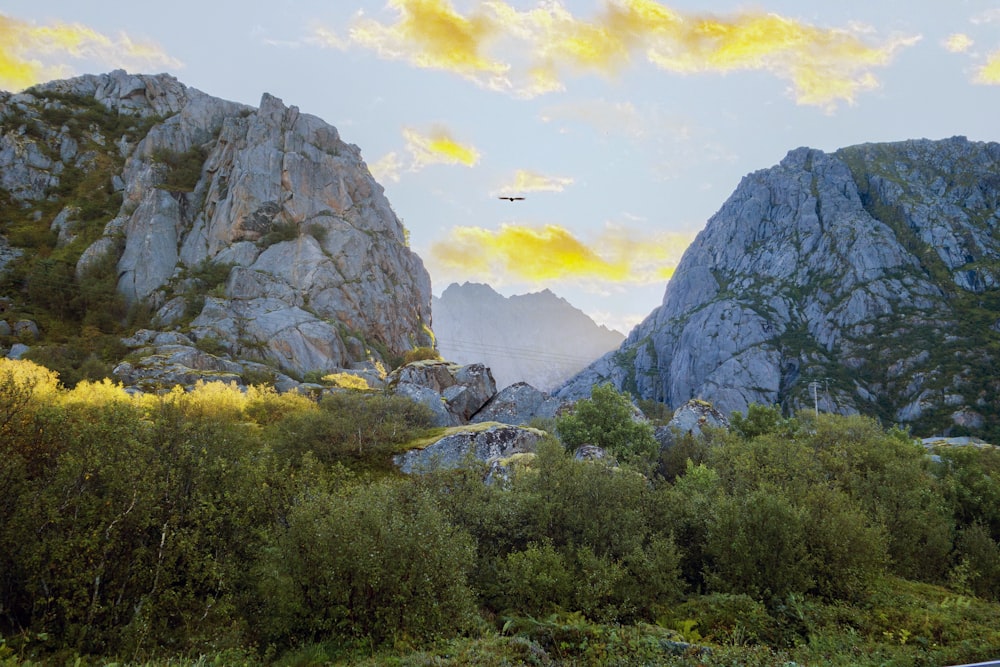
<point>518,404</point>
<point>258,230</point>
<point>489,443</point>
<point>863,280</point>
<point>535,338</point>
<point>453,393</point>
<point>690,419</point>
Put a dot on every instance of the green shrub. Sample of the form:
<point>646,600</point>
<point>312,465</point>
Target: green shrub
<point>379,562</point>
<point>609,420</point>
<point>756,546</point>
<point>212,345</point>
<point>535,581</point>
<point>183,169</point>
<point>280,232</point>
<point>362,428</point>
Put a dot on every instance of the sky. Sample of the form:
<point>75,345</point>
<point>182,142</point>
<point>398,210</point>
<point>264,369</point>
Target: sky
<point>624,124</point>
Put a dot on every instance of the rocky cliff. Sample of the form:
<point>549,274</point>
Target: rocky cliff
<point>866,280</point>
<point>536,338</point>
<point>257,232</point>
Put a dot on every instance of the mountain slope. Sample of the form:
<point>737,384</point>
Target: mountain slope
<point>258,232</point>
<point>536,338</point>
<point>873,272</point>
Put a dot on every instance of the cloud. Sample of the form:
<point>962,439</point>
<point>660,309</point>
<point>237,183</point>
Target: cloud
<point>958,43</point>
<point>387,168</point>
<point>437,147</point>
<point>429,33</point>
<point>989,16</point>
<point>31,54</point>
<point>990,72</point>
<point>532,181</point>
<point>824,66</point>
<point>552,253</point>
<point>602,115</point>
<point>541,46</point>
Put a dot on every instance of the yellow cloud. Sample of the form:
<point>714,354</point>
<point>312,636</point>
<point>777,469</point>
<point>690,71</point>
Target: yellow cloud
<point>958,43</point>
<point>31,54</point>
<point>552,253</point>
<point>430,33</point>
<point>438,147</point>
<point>532,181</point>
<point>990,72</point>
<point>824,66</point>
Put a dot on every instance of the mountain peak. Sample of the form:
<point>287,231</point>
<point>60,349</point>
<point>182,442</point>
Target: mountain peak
<point>538,338</point>
<point>864,280</point>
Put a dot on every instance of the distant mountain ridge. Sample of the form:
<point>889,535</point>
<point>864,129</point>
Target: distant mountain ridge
<point>870,276</point>
<point>538,338</point>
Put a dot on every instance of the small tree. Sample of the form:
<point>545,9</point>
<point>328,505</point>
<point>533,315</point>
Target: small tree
<point>609,420</point>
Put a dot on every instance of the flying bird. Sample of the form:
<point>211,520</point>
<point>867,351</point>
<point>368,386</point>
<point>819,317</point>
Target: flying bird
<point>511,198</point>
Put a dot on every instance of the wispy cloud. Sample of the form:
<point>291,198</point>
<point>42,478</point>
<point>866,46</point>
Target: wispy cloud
<point>387,168</point>
<point>31,54</point>
<point>552,253</point>
<point>532,52</point>
<point>531,181</point>
<point>989,16</point>
<point>989,73</point>
<point>958,43</point>
<point>437,147</point>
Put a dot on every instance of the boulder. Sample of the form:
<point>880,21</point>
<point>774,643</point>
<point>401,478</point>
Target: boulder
<point>489,442</point>
<point>519,404</point>
<point>453,393</point>
<point>691,418</point>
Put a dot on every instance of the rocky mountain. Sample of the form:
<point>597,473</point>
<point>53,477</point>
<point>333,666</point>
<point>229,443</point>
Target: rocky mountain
<point>536,338</point>
<point>865,280</point>
<point>256,232</point>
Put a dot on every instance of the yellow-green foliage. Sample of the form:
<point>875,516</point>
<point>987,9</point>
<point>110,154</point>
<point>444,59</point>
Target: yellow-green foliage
<point>346,381</point>
<point>421,354</point>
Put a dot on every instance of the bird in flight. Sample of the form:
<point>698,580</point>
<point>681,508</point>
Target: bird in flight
<point>511,198</point>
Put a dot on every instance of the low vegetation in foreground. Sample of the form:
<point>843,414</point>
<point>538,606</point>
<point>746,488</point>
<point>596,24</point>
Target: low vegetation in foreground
<point>221,527</point>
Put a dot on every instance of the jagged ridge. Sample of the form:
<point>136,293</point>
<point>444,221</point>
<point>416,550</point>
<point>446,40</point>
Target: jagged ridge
<point>311,266</point>
<point>536,338</point>
<point>873,271</point>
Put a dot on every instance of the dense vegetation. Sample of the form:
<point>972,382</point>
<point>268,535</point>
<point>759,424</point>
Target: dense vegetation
<point>227,527</point>
<point>80,315</point>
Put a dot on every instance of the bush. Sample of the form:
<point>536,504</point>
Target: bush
<point>609,420</point>
<point>421,354</point>
<point>379,562</point>
<point>351,427</point>
<point>756,545</point>
<point>183,168</point>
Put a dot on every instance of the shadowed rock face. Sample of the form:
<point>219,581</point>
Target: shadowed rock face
<point>873,272</point>
<point>319,274</point>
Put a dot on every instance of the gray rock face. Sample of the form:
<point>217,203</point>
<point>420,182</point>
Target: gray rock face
<point>691,418</point>
<point>310,265</point>
<point>453,393</point>
<point>872,271</point>
<point>495,443</point>
<point>519,404</point>
<point>535,338</point>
